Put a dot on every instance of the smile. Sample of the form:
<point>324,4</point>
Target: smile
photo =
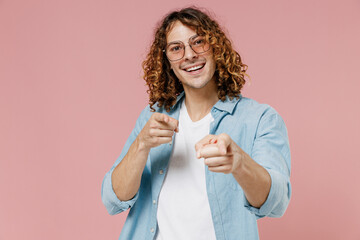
<point>194,68</point>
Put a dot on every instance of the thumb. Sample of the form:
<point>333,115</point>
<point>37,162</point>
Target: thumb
<point>223,146</point>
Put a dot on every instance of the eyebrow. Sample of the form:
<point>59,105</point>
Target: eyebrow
<point>181,41</point>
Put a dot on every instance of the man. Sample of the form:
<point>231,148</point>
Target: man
<point>202,162</point>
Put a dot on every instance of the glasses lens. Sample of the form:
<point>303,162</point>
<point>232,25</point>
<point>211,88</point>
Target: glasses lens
<point>175,51</point>
<point>199,44</point>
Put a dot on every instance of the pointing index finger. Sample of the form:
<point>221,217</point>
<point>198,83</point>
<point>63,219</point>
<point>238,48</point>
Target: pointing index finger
<point>206,140</point>
<point>163,118</point>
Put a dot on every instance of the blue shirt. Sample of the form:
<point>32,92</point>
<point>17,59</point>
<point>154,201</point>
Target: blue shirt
<point>257,128</point>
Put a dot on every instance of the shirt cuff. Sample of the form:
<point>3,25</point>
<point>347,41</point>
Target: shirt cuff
<point>112,203</point>
<point>276,202</point>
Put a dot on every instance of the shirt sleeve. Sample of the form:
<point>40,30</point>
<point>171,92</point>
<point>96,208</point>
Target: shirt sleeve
<point>110,200</point>
<point>271,150</point>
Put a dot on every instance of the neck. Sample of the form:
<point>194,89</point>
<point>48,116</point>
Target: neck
<point>200,101</point>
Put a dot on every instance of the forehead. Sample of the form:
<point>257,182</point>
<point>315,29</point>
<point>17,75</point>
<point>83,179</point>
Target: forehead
<point>179,32</point>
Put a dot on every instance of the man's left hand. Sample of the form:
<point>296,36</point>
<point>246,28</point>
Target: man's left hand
<point>220,153</point>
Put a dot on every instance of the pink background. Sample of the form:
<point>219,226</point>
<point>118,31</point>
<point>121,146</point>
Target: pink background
<point>71,90</point>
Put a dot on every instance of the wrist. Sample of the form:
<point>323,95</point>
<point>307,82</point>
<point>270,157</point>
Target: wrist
<point>241,169</point>
<point>141,145</point>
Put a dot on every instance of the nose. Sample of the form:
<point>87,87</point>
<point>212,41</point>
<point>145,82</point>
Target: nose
<point>189,53</point>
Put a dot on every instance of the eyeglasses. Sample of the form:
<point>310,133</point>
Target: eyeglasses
<point>176,50</point>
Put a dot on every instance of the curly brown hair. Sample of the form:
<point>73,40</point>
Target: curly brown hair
<point>164,86</point>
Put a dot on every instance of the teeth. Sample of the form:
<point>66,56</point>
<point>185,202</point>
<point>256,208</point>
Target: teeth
<point>194,68</point>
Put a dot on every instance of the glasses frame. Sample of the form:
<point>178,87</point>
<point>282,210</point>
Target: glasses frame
<point>189,44</point>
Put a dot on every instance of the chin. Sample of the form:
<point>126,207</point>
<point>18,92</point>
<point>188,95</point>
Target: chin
<point>196,84</point>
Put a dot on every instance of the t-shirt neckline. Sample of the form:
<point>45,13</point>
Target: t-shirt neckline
<point>187,118</point>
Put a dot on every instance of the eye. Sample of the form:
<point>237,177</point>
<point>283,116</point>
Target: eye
<point>174,48</point>
<point>199,41</point>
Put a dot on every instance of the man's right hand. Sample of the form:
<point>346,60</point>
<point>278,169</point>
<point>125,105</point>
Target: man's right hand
<point>126,176</point>
<point>158,130</point>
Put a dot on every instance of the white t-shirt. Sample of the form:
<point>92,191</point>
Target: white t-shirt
<point>183,206</point>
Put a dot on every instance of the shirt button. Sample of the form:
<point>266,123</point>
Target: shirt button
<point>154,202</point>
<point>161,171</point>
<point>152,230</point>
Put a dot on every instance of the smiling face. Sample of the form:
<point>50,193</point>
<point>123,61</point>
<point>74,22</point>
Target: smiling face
<point>194,70</point>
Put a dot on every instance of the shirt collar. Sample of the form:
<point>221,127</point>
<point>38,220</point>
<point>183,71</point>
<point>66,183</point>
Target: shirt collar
<point>228,105</point>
